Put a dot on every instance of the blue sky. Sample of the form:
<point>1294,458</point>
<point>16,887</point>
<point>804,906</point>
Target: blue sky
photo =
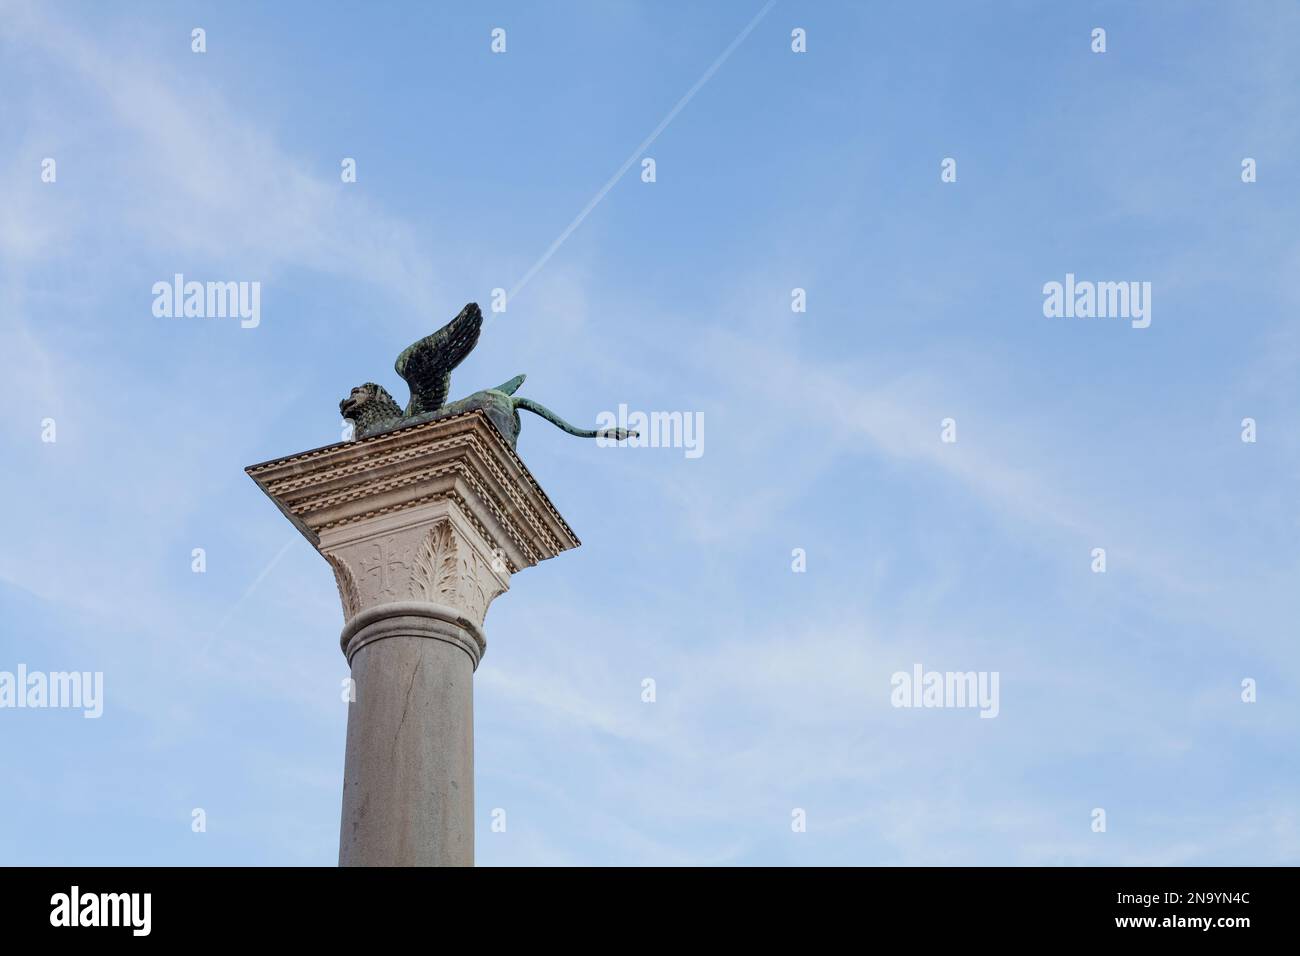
<point>820,171</point>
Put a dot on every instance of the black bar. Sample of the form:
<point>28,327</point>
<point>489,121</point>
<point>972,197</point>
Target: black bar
<point>334,906</point>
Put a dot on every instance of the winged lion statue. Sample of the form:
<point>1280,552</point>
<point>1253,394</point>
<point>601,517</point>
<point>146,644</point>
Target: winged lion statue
<point>426,367</point>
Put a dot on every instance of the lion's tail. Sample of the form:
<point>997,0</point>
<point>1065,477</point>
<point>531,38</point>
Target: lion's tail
<point>615,434</point>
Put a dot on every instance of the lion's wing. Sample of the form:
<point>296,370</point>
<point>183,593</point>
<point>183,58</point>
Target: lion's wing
<point>426,365</point>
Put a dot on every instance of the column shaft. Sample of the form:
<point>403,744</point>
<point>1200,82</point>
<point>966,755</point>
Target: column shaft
<point>408,778</point>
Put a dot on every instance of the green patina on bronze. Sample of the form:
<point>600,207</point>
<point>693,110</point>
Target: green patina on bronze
<point>426,366</point>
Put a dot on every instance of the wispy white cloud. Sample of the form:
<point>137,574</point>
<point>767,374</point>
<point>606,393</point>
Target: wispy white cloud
<point>192,174</point>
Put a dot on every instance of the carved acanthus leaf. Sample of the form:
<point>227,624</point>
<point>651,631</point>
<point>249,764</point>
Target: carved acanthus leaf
<point>347,584</point>
<point>448,570</point>
<point>435,573</point>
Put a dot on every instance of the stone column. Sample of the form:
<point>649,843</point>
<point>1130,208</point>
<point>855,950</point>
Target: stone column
<point>423,527</point>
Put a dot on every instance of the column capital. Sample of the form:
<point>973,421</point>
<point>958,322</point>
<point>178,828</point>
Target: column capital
<point>440,513</point>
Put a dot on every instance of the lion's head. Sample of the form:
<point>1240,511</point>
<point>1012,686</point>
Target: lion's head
<point>367,406</point>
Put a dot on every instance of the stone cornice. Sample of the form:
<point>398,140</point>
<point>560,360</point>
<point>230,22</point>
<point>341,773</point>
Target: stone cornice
<point>462,459</point>
<point>438,514</point>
